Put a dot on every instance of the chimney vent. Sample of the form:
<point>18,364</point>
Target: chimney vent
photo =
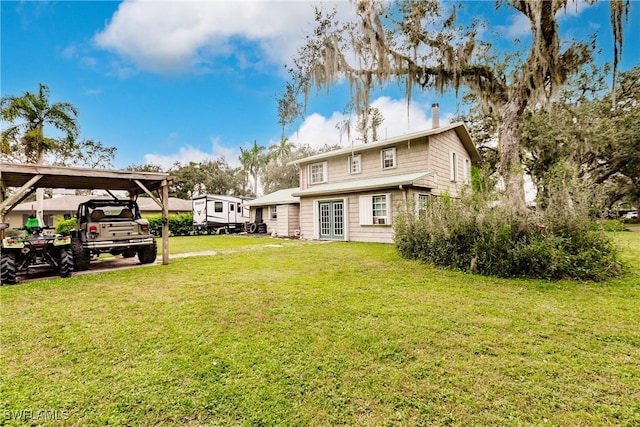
<point>435,116</point>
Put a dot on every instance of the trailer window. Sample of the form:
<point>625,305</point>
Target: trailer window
<point>231,205</point>
<point>217,207</point>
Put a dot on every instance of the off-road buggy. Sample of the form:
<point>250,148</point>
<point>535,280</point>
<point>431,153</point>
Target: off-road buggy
<point>111,226</point>
<point>34,249</point>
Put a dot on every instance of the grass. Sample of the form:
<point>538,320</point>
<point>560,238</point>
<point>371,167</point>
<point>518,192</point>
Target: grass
<point>319,334</point>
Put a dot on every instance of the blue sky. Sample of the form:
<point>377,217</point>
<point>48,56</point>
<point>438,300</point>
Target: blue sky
<point>166,81</point>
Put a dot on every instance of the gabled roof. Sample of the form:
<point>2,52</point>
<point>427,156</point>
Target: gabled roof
<point>459,128</point>
<point>367,184</point>
<point>280,197</point>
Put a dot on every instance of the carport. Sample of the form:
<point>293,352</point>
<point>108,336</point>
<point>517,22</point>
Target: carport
<point>28,178</point>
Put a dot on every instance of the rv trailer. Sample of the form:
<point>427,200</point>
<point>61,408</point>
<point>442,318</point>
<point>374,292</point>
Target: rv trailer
<point>216,213</point>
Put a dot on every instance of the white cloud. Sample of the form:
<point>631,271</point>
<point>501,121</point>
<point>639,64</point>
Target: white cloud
<point>317,130</point>
<point>182,36</point>
<point>518,27</point>
<point>187,154</point>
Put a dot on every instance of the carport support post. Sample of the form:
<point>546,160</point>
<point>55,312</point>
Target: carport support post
<point>165,223</point>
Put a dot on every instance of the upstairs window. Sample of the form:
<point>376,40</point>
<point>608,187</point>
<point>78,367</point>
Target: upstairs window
<point>355,164</point>
<point>318,172</point>
<point>388,158</point>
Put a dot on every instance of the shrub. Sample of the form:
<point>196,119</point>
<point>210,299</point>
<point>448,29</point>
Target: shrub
<point>468,235</point>
<point>64,226</point>
<point>180,224</point>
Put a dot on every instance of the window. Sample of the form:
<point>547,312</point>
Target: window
<point>422,203</point>
<point>217,207</point>
<point>467,170</point>
<point>318,172</point>
<point>231,207</point>
<point>375,210</point>
<point>453,167</point>
<point>273,212</point>
<point>388,158</point>
<point>354,164</point>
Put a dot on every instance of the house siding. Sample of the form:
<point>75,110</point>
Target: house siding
<point>441,147</point>
<point>431,153</point>
<point>411,156</point>
<point>354,232</point>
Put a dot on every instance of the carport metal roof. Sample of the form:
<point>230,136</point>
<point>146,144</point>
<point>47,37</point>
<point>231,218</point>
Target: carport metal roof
<point>27,178</point>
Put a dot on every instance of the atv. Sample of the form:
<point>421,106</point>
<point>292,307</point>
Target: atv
<point>34,249</point>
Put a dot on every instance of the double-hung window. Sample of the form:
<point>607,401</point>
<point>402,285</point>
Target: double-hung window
<point>273,212</point>
<point>318,172</point>
<point>355,164</point>
<point>388,158</point>
<point>422,204</point>
<point>375,209</point>
<point>453,167</point>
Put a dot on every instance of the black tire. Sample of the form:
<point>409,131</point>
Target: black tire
<point>8,268</point>
<point>66,262</point>
<point>81,256</point>
<point>253,227</point>
<point>148,254</point>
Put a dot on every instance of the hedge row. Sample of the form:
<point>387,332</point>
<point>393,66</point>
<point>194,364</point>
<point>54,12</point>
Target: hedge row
<point>179,224</point>
<point>465,236</point>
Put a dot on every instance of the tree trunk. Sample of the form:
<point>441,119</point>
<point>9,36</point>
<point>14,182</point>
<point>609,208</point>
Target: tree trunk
<point>512,116</point>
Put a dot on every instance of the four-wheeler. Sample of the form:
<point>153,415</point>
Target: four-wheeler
<point>34,249</point>
<point>111,226</point>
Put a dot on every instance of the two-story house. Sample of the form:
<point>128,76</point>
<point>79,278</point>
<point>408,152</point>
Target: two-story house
<point>354,193</point>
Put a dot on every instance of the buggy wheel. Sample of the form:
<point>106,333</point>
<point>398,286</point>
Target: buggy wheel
<point>66,262</point>
<point>148,254</point>
<point>81,257</point>
<point>8,268</point>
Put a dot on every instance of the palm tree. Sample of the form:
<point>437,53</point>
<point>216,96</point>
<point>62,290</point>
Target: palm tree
<point>252,161</point>
<point>28,115</point>
<point>281,151</point>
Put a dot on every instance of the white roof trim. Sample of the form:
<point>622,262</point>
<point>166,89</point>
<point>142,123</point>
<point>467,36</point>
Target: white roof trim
<point>459,128</point>
<point>368,184</point>
<point>280,197</point>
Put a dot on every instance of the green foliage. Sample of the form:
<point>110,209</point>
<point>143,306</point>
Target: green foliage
<point>305,334</point>
<point>64,226</point>
<point>180,224</point>
<point>467,235</point>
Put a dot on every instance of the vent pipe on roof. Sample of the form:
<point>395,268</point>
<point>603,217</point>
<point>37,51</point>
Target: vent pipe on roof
<point>435,116</point>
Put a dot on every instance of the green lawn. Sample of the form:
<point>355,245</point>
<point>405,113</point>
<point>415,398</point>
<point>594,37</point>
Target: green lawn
<point>319,334</point>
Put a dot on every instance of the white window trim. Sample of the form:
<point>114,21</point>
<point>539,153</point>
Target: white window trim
<point>419,205</point>
<point>324,173</point>
<point>316,216</point>
<point>366,210</point>
<point>395,158</point>
<point>453,166</point>
<point>359,157</point>
<point>273,212</point>
<point>467,171</point>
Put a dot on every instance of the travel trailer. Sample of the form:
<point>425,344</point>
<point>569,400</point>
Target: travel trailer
<point>216,213</point>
